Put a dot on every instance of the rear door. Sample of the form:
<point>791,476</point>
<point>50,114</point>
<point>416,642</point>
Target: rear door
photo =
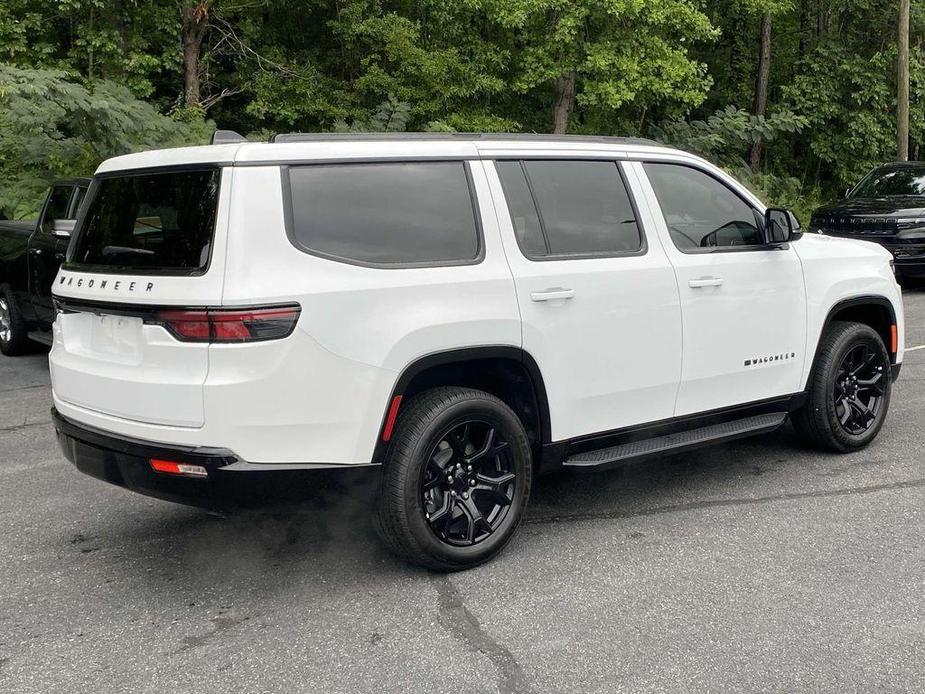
<point>145,241</point>
<point>743,300</point>
<point>598,300</point>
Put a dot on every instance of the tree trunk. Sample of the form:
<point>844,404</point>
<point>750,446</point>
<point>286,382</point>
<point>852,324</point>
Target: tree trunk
<point>565,102</point>
<point>761,87</point>
<point>194,23</point>
<point>804,20</point>
<point>902,87</point>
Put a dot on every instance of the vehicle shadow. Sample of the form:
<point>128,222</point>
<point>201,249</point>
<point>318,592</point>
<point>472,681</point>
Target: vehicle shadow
<point>319,525</point>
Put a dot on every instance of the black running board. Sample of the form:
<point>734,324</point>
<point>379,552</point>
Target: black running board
<point>680,441</point>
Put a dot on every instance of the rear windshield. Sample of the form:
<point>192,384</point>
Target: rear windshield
<point>154,223</point>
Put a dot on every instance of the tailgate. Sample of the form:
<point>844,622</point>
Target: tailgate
<point>145,242</point>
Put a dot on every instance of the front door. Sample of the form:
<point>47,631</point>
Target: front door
<point>743,301</point>
<point>46,252</point>
<point>598,302</point>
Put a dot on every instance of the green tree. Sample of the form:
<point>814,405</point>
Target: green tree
<point>603,55</point>
<point>53,126</point>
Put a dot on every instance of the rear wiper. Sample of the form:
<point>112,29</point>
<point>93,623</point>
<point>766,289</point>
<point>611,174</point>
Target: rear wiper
<point>125,250</point>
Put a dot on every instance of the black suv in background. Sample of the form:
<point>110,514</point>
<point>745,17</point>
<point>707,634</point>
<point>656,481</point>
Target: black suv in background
<point>30,254</point>
<point>888,207</point>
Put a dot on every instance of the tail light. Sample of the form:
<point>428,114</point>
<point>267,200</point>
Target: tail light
<point>230,325</point>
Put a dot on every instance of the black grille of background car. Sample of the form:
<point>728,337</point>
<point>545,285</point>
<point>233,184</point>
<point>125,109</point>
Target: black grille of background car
<point>864,226</point>
<point>906,251</point>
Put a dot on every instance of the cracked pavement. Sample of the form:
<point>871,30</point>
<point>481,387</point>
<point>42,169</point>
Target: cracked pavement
<point>751,566</point>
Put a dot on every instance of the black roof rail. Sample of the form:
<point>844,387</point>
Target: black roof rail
<point>224,137</point>
<point>527,137</point>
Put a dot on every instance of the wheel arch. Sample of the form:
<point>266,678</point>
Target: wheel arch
<point>507,372</point>
<point>875,311</point>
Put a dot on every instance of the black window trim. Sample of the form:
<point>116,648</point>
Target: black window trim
<point>72,208</point>
<point>289,221</point>
<point>148,272</point>
<point>766,246</point>
<point>611,158</point>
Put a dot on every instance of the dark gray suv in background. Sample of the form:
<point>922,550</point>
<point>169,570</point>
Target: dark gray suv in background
<point>888,207</point>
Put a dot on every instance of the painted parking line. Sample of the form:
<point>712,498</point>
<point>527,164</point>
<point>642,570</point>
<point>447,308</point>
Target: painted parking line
<point>915,349</point>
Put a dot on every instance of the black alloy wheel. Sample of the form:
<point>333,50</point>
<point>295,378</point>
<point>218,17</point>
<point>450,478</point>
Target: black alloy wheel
<point>859,388</point>
<point>14,338</point>
<point>456,479</point>
<point>468,484</point>
<point>848,394</point>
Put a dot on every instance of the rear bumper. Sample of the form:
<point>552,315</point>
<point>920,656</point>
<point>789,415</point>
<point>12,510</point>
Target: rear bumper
<point>124,462</point>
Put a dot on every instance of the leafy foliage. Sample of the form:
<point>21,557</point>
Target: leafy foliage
<point>52,126</point>
<point>110,77</point>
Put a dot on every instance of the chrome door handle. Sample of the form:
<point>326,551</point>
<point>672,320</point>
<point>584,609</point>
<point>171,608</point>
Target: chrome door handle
<point>556,294</point>
<point>35,251</point>
<point>706,282</point>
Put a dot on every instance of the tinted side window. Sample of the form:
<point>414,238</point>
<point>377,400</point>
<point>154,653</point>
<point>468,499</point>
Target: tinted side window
<point>57,206</point>
<point>700,211</point>
<point>524,217</point>
<point>581,208</point>
<point>385,214</point>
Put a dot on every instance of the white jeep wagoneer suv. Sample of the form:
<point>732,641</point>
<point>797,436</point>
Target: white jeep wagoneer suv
<point>464,311</point>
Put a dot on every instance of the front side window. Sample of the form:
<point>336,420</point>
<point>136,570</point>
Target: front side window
<point>402,213</point>
<point>700,211</point>
<point>157,223</point>
<point>57,206</point>
<point>569,208</point>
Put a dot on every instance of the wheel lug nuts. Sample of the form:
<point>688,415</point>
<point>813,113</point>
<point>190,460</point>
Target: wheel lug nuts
<point>465,495</point>
<point>468,468</point>
<point>471,483</point>
<point>449,478</point>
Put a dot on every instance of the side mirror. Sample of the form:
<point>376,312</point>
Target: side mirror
<point>63,228</point>
<point>782,225</point>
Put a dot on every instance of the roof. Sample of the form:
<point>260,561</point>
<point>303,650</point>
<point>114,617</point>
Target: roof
<point>297,147</point>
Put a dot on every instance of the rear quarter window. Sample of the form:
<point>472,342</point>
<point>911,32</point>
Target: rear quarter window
<point>394,214</point>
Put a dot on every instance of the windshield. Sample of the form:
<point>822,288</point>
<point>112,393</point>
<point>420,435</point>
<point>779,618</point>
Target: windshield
<point>885,183</point>
<point>159,223</point>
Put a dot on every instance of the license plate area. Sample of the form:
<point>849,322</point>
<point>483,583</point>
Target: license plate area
<point>104,337</point>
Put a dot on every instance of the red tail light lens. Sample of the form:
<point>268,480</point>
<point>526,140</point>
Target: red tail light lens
<point>230,325</point>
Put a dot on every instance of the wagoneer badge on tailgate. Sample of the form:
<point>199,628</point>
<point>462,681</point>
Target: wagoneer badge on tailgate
<point>109,285</point>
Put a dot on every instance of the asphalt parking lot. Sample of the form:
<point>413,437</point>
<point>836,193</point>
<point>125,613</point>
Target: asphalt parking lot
<point>755,566</point>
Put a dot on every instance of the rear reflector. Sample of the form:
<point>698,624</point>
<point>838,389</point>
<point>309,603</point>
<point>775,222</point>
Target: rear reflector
<point>390,418</point>
<point>894,340</point>
<point>172,468</point>
<point>231,324</point>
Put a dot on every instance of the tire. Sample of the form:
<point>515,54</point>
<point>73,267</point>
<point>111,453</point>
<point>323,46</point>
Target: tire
<point>14,337</point>
<point>442,525</point>
<point>821,421</point>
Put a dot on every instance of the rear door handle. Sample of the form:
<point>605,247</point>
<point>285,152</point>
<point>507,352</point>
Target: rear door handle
<point>706,282</point>
<point>556,294</point>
